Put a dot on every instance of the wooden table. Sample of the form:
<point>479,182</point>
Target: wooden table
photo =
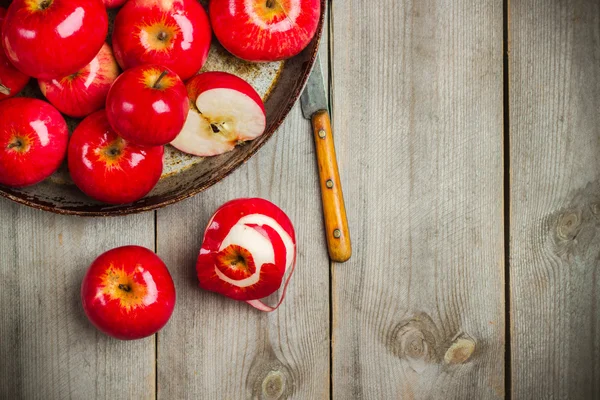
<point>468,136</point>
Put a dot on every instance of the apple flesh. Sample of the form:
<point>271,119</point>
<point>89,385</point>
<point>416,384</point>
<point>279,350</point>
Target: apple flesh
<point>33,141</point>
<point>108,168</point>
<point>224,111</point>
<point>12,81</point>
<point>172,33</point>
<point>249,245</point>
<point>84,92</point>
<point>128,293</point>
<point>147,105</point>
<point>265,30</point>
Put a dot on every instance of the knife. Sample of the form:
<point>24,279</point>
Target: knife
<point>315,108</point>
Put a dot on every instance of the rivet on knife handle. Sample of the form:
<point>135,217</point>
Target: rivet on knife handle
<point>334,210</point>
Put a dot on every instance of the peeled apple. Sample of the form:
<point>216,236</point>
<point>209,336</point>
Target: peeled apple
<point>249,246</point>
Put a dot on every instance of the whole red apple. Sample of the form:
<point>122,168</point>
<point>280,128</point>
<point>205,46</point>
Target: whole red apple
<point>108,168</point>
<point>33,141</point>
<point>224,111</point>
<point>12,81</point>
<point>114,3</point>
<point>265,30</point>
<point>173,33</point>
<point>50,39</point>
<point>80,94</point>
<point>128,293</point>
<point>147,105</point>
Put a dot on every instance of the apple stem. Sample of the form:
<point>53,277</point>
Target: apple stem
<point>4,90</point>
<point>125,288</point>
<point>16,143</point>
<point>162,75</point>
<point>270,3</point>
<point>45,4</point>
<point>215,128</point>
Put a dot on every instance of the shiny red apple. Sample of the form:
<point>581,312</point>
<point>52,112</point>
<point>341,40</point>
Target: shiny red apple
<point>114,3</point>
<point>265,30</point>
<point>128,293</point>
<point>147,105</point>
<point>108,168</point>
<point>12,81</point>
<point>50,39</point>
<point>224,111</point>
<point>80,94</point>
<point>248,247</point>
<point>33,141</point>
<point>173,33</point>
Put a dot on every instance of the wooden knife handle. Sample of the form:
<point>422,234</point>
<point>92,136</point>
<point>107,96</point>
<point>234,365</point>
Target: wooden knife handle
<point>336,223</point>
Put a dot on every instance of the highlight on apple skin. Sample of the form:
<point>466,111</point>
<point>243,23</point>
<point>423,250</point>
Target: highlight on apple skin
<point>84,92</point>
<point>224,111</point>
<point>33,141</point>
<point>147,105</point>
<point>108,168</point>
<point>128,293</point>
<point>172,33</point>
<point>12,81</point>
<point>265,30</point>
<point>50,39</point>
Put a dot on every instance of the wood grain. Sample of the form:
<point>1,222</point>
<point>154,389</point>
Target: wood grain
<point>48,349</point>
<point>417,98</point>
<point>334,210</point>
<point>555,198</point>
<point>217,348</point>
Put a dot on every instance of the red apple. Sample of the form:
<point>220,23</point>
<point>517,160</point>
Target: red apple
<point>147,105</point>
<point>128,293</point>
<point>12,81</point>
<point>83,92</point>
<point>224,111</point>
<point>114,3</point>
<point>50,39</point>
<point>173,33</point>
<point>248,247</point>
<point>265,30</point>
<point>33,141</point>
<point>108,168</point>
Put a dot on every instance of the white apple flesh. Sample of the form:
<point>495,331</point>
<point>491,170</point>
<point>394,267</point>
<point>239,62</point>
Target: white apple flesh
<point>224,111</point>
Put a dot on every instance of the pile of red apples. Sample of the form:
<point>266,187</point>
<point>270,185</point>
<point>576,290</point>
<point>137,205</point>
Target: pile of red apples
<point>138,93</point>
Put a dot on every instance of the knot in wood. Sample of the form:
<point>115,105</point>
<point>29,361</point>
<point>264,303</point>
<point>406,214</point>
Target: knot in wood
<point>460,351</point>
<point>569,225</point>
<point>415,341</point>
<point>273,385</point>
<point>269,379</point>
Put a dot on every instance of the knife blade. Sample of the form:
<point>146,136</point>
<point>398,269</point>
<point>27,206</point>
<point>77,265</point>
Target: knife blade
<point>315,108</point>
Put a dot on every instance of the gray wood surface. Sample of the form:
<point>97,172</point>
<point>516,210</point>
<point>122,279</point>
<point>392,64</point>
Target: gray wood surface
<point>224,349</point>
<point>555,198</point>
<point>417,99</point>
<point>48,349</point>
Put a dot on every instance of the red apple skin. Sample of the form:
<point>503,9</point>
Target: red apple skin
<point>147,105</point>
<point>253,31</point>
<point>12,81</point>
<point>56,41</point>
<point>114,3</point>
<point>108,168</point>
<point>128,293</point>
<point>84,92</point>
<point>33,141</point>
<point>172,33</point>
<point>221,80</point>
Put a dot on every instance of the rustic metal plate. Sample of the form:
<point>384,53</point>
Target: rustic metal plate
<point>280,84</point>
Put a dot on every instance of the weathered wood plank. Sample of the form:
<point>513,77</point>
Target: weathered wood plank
<point>48,349</point>
<point>555,194</point>
<point>417,98</point>
<point>217,348</point>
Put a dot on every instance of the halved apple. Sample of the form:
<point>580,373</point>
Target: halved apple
<point>224,111</point>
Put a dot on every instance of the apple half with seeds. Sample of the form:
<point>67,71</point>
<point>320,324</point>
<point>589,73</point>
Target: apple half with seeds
<point>224,111</point>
